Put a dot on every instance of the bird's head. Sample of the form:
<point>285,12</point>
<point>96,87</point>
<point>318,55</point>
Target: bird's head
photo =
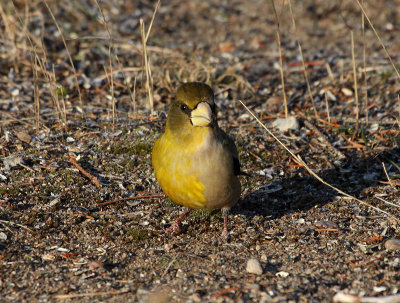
<point>194,107</point>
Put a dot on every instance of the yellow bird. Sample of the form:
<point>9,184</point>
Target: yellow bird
<point>195,162</point>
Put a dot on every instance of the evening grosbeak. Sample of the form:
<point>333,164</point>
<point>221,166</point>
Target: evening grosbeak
<point>195,162</point>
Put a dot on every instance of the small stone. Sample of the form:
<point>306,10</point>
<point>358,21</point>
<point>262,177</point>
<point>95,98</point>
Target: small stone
<point>180,273</point>
<point>264,257</point>
<point>254,267</point>
<point>379,288</point>
<point>95,264</point>
<point>48,257</point>
<point>12,162</point>
<point>70,140</point>
<point>284,124</point>
<point>392,244</point>
<point>15,92</point>
<point>282,274</point>
<point>300,221</point>
<point>274,104</point>
<point>345,298</point>
<point>325,224</point>
<point>347,92</point>
<point>3,236</point>
<point>24,137</point>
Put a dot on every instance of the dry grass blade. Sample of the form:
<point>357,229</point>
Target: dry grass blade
<point>355,81</point>
<point>297,158</point>
<point>379,38</point>
<point>152,20</point>
<point>68,53</point>
<point>111,74</point>
<point>16,224</point>
<point>303,62</point>
<point>364,66</point>
<point>147,69</point>
<point>387,176</point>
<point>278,39</point>
<point>91,294</point>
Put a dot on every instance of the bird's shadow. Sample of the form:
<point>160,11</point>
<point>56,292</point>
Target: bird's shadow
<point>355,176</point>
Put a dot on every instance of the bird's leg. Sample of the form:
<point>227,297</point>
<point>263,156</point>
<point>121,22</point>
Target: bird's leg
<point>225,234</point>
<point>174,229</point>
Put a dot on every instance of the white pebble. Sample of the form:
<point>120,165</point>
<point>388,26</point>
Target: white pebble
<point>284,124</point>
<point>282,274</point>
<point>254,267</point>
<point>392,244</point>
<point>347,92</point>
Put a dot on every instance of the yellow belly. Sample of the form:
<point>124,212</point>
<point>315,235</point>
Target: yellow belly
<point>176,172</point>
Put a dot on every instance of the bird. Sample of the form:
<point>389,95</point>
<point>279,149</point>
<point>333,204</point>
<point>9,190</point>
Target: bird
<point>195,162</point>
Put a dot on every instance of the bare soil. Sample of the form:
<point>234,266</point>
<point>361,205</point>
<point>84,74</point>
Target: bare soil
<point>82,217</point>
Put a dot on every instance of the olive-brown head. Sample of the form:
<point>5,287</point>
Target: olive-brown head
<point>194,107</point>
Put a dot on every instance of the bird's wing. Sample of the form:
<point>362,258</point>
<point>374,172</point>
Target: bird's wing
<point>230,145</point>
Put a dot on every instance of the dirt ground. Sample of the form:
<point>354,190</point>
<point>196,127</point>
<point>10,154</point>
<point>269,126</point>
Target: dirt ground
<point>82,217</point>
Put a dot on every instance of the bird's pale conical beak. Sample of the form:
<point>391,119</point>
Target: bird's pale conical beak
<point>201,115</point>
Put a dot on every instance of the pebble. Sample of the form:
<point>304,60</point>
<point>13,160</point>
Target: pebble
<point>282,274</point>
<point>392,244</point>
<point>3,236</point>
<point>347,92</point>
<point>12,162</point>
<point>284,124</point>
<point>264,257</point>
<point>325,224</point>
<point>345,298</point>
<point>254,267</point>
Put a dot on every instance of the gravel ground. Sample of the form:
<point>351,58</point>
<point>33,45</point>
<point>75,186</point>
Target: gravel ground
<point>82,217</point>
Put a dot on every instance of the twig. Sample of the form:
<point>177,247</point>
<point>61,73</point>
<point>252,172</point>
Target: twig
<point>385,299</point>
<point>302,60</point>
<point>312,172</point>
<point>152,20</point>
<point>327,107</point>
<point>387,176</point>
<point>278,39</point>
<point>364,66</point>
<point>387,202</point>
<point>91,294</point>
<point>147,68</point>
<point>94,180</point>
<point>225,291</point>
<point>19,225</point>
<point>151,195</point>
<point>68,53</point>
<point>355,82</point>
<point>379,38</point>
<point>325,139</point>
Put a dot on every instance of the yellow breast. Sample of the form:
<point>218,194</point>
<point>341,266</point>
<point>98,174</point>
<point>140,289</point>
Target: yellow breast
<point>174,163</point>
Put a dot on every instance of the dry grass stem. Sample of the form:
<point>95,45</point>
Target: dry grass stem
<point>355,80</point>
<point>152,20</point>
<point>387,176</point>
<point>121,68</point>
<point>91,294</point>
<point>69,55</point>
<point>364,65</point>
<point>379,38</point>
<point>327,107</point>
<point>16,224</point>
<point>297,158</point>
<point>111,82</point>
<point>303,62</point>
<point>147,69</point>
<point>278,39</point>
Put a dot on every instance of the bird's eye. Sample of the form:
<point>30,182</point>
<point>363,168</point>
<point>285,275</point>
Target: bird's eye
<point>184,107</point>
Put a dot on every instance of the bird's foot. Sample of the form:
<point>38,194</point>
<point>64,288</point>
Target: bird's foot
<point>224,236</point>
<point>173,229</point>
